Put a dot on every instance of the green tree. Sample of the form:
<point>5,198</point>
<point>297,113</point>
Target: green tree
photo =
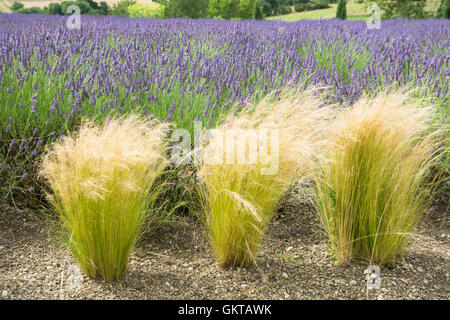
<point>403,8</point>
<point>104,8</point>
<point>16,6</point>
<point>214,8</point>
<point>54,8</point>
<point>30,10</point>
<point>230,9</point>
<point>341,11</point>
<point>258,13</point>
<point>226,9</point>
<point>194,9</point>
<point>93,4</point>
<point>247,9</point>
<point>121,8</point>
<point>269,7</point>
<point>274,5</point>
<point>444,10</point>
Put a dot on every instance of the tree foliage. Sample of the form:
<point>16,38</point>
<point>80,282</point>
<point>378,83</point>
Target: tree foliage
<point>341,11</point>
<point>54,8</point>
<point>444,10</point>
<point>403,8</point>
<point>16,6</point>
<point>194,9</point>
<point>232,9</point>
<point>141,10</point>
<point>121,8</point>
<point>104,8</point>
<point>258,13</point>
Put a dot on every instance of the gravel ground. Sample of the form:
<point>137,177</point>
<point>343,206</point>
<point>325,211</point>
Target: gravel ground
<point>176,263</point>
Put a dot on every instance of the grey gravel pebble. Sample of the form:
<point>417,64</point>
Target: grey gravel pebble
<point>176,263</point>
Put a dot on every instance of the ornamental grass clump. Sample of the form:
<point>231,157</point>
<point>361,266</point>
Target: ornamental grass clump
<point>103,183</point>
<point>278,138</point>
<point>374,181</point>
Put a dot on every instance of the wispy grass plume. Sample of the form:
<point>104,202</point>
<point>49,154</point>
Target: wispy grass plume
<point>374,182</point>
<point>239,199</point>
<point>103,180</point>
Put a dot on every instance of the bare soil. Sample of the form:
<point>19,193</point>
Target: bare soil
<point>176,263</point>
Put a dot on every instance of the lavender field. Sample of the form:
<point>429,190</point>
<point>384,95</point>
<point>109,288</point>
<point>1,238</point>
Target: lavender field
<point>185,70</point>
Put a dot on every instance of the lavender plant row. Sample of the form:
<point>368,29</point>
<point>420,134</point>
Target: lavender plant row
<point>183,70</point>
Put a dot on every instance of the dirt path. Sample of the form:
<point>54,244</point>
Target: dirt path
<point>176,263</point>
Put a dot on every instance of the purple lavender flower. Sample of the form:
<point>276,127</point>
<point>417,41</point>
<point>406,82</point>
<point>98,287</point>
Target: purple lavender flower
<point>207,66</point>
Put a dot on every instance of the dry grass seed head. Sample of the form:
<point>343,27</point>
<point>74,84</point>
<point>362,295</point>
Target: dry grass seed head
<point>236,224</point>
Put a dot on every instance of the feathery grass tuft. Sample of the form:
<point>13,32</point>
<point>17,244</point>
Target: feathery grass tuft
<point>374,183</point>
<point>103,180</point>
<point>239,199</point>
